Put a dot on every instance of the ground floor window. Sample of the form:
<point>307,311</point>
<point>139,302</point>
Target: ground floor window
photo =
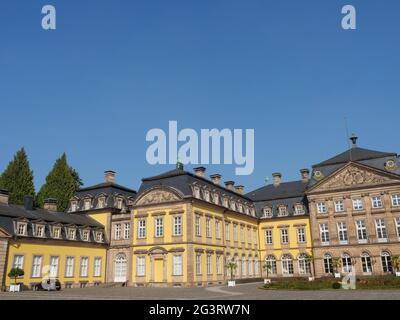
<point>328,266</point>
<point>366,263</point>
<point>287,265</point>
<point>270,263</point>
<point>386,262</point>
<point>304,264</point>
<point>346,263</point>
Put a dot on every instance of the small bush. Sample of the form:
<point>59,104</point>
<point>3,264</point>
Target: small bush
<point>336,285</point>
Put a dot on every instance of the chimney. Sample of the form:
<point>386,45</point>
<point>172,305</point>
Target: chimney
<point>305,175</point>
<point>28,203</point>
<point>3,196</point>
<point>109,176</point>
<point>199,171</point>
<point>353,139</point>
<point>277,178</point>
<point>216,178</point>
<point>229,185</point>
<point>50,204</point>
<point>239,189</point>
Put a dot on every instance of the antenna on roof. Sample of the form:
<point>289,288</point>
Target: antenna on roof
<point>347,138</point>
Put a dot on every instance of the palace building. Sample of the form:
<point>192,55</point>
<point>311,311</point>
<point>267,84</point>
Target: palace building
<point>181,228</point>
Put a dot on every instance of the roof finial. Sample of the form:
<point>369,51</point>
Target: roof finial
<point>353,139</point>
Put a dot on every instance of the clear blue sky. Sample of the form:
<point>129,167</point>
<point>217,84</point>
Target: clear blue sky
<point>115,69</point>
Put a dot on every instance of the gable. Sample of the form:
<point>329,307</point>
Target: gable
<point>354,176</point>
<point>156,196</point>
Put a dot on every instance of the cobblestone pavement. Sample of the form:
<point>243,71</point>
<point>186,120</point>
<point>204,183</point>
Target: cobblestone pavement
<point>240,292</point>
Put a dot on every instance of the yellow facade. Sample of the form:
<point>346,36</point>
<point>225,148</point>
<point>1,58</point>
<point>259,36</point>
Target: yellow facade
<point>28,249</point>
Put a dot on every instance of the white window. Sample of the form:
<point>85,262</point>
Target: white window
<point>361,231</point>
<point>101,203</point>
<point>358,204</point>
<point>235,232</point>
<point>250,267</point>
<point>342,232</point>
<point>216,198</point>
<point>177,265</point>
<point>243,267</point>
<point>196,191</point>
<point>21,229</point>
<point>56,232</point>
<point>53,272</point>
<point>99,236</point>
<point>301,235</point>
<point>159,227</point>
<point>117,231</point>
<point>397,222</point>
<point>395,200</point>
<point>241,233</point>
<point>85,235</point>
<point>328,265</point>
<point>268,236</point>
<point>206,195</point>
<point>97,267</point>
<point>283,211</point>
<point>366,262</point>
<point>84,266</point>
<point>217,229</point>
<point>321,207</point>
<point>299,209</point>
<point>198,263</point>
<point>386,260</point>
<point>18,262</point>
<point>339,206</point>
<point>346,263</point>
<point>74,206</point>
<point>71,233</point>
<point>255,236</point>
<point>218,263</point>
<point>304,264</point>
<point>284,236</point>
<point>256,267</point>
<point>141,266</point>
<point>69,267</point>
<point>377,202</point>
<point>324,233</point>
<point>209,270</point>
<point>287,265</point>
<point>227,231</point>
<point>270,261</point>
<point>248,235</point>
<point>267,212</point>
<point>208,227</point>
<point>127,230</point>
<point>87,204</point>
<point>40,231</point>
<point>119,203</point>
<point>381,230</point>
<point>142,229</point>
<point>36,266</point>
<point>177,229</point>
<point>197,226</point>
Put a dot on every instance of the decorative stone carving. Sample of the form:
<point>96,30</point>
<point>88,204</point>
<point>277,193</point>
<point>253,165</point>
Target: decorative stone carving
<point>351,177</point>
<point>157,196</point>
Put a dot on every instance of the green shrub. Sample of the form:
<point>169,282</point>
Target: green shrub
<point>336,285</point>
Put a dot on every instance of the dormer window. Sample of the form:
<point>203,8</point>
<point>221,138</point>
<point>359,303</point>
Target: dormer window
<point>56,232</point>
<point>299,209</point>
<point>240,207</point>
<point>85,235</point>
<point>206,195</point>
<point>225,202</point>
<point>74,206</point>
<point>267,212</point>
<point>246,210</point>
<point>216,198</point>
<point>119,203</point>
<point>39,231</point>
<point>99,236</point>
<point>196,192</point>
<point>87,204</point>
<point>22,228</point>
<point>71,233</point>
<point>282,211</point>
<point>101,202</point>
<point>233,205</point>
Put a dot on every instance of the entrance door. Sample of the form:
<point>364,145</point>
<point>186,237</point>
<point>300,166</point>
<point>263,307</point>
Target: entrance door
<point>158,270</point>
<point>120,268</point>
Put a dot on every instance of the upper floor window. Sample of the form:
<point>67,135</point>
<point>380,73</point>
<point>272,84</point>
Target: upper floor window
<point>342,232</point>
<point>381,232</point>
<point>142,229</point>
<point>159,230</point>
<point>206,195</point>
<point>99,236</point>
<point>22,228</point>
<point>395,200</point>
<point>242,234</point>
<point>235,232</point>
<point>268,236</point>
<point>248,235</point>
<point>208,227</point>
<point>283,211</point>
<point>227,231</point>
<point>56,232</point>
<point>74,205</point>
<point>301,235</point>
<point>216,198</point>
<point>358,204</point>
<point>361,231</point>
<point>299,209</point>
<point>324,233</point>
<point>225,202</point>
<point>101,202</point>
<point>177,226</point>
<point>321,207</point>
<point>39,231</point>
<point>218,229</point>
<point>71,233</point>
<point>117,231</point>
<point>267,212</point>
<point>85,235</point>
<point>196,192</point>
<point>119,203</point>
<point>197,226</point>
<point>339,206</point>
<point>127,230</point>
<point>397,222</point>
<point>87,204</point>
<point>284,236</point>
<point>377,202</point>
<point>233,205</point>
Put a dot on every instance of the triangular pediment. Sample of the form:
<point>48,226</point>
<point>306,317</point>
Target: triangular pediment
<point>156,196</point>
<point>4,234</point>
<point>354,175</point>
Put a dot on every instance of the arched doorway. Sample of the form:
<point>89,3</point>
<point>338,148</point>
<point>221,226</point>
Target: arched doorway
<point>120,268</point>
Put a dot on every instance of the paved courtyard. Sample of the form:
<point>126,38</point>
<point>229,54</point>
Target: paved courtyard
<point>240,292</point>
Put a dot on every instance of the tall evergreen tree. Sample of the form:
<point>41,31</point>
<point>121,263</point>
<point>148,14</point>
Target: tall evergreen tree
<point>18,178</point>
<point>61,183</point>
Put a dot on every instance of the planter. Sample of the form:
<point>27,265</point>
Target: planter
<point>231,283</point>
<point>267,281</point>
<point>15,287</point>
<point>397,274</point>
<point>337,275</point>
